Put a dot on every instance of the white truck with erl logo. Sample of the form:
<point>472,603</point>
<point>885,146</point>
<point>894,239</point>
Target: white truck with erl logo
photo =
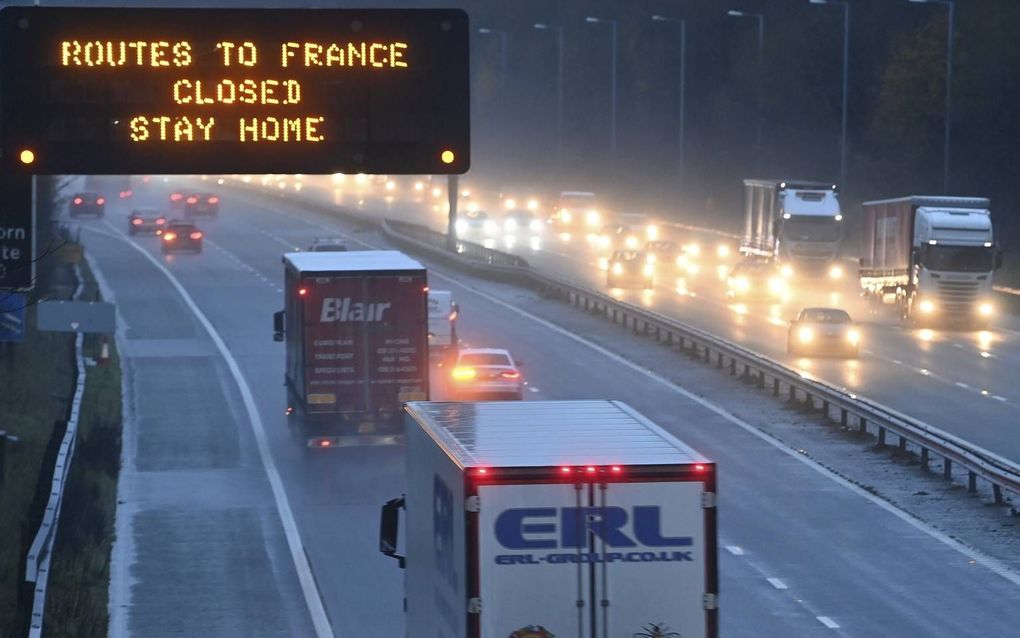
<point>354,326</point>
<point>553,519</point>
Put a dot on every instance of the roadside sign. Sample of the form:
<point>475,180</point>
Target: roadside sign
<point>17,233</point>
<point>12,316</point>
<point>171,90</point>
<point>76,316</point>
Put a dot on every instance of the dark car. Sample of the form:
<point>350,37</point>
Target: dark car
<point>176,199</point>
<point>180,235</point>
<point>823,331</point>
<point>146,220</point>
<point>201,204</point>
<point>328,245</point>
<point>87,204</point>
<point>756,280</point>
<point>662,252</point>
<point>630,269</point>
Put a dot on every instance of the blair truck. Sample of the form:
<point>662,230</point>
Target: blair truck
<point>933,256</point>
<point>354,326</point>
<point>553,518</point>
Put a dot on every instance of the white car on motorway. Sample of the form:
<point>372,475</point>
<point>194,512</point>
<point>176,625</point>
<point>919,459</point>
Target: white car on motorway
<point>487,372</point>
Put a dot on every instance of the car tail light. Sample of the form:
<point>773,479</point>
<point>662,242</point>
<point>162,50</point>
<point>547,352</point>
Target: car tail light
<point>510,374</point>
<point>302,292</point>
<point>176,197</point>
<point>565,470</point>
<point>591,469</point>
<point>699,467</point>
<point>214,200</point>
<point>192,200</point>
<point>136,221</point>
<point>196,235</point>
<point>160,221</point>
<point>325,443</point>
<point>462,373</point>
<point>616,469</point>
<point>101,200</point>
<point>125,194</point>
<point>77,201</point>
<point>169,236</point>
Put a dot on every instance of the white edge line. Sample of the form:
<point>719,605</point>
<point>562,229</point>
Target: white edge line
<point>828,622</point>
<point>735,550</point>
<point>304,571</point>
<point>778,584</point>
<point>977,556</point>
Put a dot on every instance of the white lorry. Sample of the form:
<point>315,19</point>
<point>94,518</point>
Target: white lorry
<point>797,225</point>
<point>933,256</point>
<point>553,518</point>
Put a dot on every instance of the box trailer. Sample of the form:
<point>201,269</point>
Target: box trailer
<point>356,347</point>
<point>553,518</point>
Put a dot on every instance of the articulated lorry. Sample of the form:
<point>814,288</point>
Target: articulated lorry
<point>795,224</point>
<point>355,330</point>
<point>553,518</point>
<point>932,256</point>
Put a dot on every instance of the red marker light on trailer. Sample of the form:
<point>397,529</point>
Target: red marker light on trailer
<point>590,469</point>
<point>616,469</point>
<point>324,443</point>
<point>565,470</point>
<point>699,467</point>
<point>425,289</point>
<point>136,221</point>
<point>481,471</point>
<point>302,291</point>
<point>77,201</point>
<point>192,200</point>
<point>101,201</point>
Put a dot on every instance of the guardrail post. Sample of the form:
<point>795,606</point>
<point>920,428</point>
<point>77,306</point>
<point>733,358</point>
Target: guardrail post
<point>718,360</point>
<point>924,458</point>
<point>825,408</point>
<point>997,492</point>
<point>733,367</point>
<point>843,417</point>
<point>775,386</point>
<point>947,469</point>
<point>971,482</point>
<point>761,380</point>
<point>881,436</point>
<point>792,392</point>
<point>708,355</point>
<point>862,425</point>
<point>903,443</point>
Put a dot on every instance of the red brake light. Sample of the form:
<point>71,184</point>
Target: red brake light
<point>169,236</point>
<point>192,200</point>
<point>101,201</point>
<point>510,374</point>
<point>564,470</point>
<point>77,201</point>
<point>616,469</point>
<point>324,443</point>
<point>699,467</point>
<point>136,221</point>
<point>160,220</point>
<point>125,194</point>
<point>302,291</point>
<point>175,197</point>
<point>196,235</point>
<point>590,469</point>
<point>481,470</point>
<point>425,289</point>
<point>214,200</point>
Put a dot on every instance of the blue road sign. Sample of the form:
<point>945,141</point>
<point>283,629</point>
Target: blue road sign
<point>12,316</point>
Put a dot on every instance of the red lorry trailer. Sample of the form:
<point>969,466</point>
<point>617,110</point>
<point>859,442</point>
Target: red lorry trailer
<point>355,328</point>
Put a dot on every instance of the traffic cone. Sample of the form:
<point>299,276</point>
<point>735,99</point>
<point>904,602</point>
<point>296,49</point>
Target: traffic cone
<point>104,352</point>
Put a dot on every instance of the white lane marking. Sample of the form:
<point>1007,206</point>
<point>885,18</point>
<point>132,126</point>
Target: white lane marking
<point>735,550</point>
<point>297,553</point>
<point>961,384</point>
<point>533,388</point>
<point>980,558</point>
<point>828,622</point>
<point>897,361</point>
<point>998,398</point>
<point>778,584</point>
<point>977,556</point>
<point>957,345</point>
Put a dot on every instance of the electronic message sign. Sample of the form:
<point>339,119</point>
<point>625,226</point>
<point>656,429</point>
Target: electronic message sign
<point>133,90</point>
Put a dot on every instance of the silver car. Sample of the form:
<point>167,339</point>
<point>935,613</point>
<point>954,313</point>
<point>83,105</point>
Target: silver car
<point>487,372</point>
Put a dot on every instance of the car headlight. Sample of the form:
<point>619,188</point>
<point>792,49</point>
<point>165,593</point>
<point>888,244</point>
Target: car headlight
<point>472,207</point>
<point>692,249</point>
<point>535,226</point>
<point>566,217</point>
<point>617,269</point>
<point>631,242</point>
<point>853,336</point>
<point>692,268</point>
<point>510,203</point>
<point>649,270</point>
<point>986,309</point>
<point>777,285</point>
<point>836,272</point>
<point>461,225</point>
<point>805,334</point>
<point>650,259</point>
<point>532,204</point>
<point>510,224</point>
<point>741,283</point>
<point>927,306</point>
<point>592,218</point>
<point>722,250</point>
<point>786,271</point>
<point>652,232</point>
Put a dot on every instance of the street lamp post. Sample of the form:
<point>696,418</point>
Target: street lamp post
<point>846,75</point>
<point>761,72</point>
<point>949,83</point>
<point>612,126</point>
<point>680,142</point>
<point>559,89</point>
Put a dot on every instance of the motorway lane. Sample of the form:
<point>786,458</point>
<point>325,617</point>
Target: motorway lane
<point>958,381</point>
<point>813,536</point>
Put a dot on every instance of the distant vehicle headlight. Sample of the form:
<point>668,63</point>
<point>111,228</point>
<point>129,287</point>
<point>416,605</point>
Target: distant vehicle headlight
<point>986,309</point>
<point>927,306</point>
<point>777,285</point>
<point>741,283</point>
<point>648,270</point>
<point>692,249</point>
<point>617,269</point>
<point>651,259</point>
<point>510,203</point>
<point>510,224</point>
<point>566,217</point>
<point>722,250</point>
<point>652,232</point>
<point>786,271</point>
<point>535,226</point>
<point>836,272</point>
<point>532,204</point>
<point>461,225</point>
<point>693,268</point>
<point>631,242</point>
<point>853,336</point>
<point>805,334</point>
<point>592,218</point>
<point>472,207</point>
<point>489,227</point>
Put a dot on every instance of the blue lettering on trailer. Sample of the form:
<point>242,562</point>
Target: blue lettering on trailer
<point>537,527</point>
<point>595,557</point>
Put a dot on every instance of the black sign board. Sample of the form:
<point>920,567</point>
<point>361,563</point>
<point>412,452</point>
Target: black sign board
<point>317,91</point>
<point>17,233</point>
